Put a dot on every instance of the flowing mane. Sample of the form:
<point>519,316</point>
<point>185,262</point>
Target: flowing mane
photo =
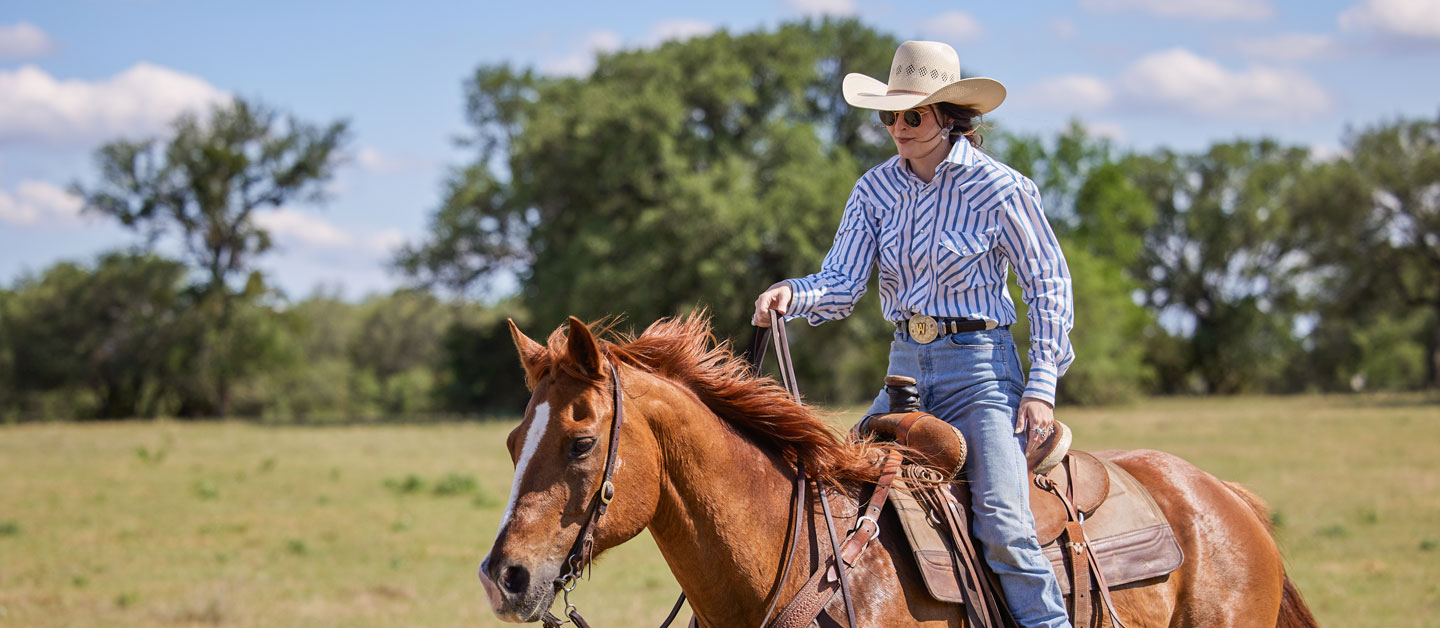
<point>685,351</point>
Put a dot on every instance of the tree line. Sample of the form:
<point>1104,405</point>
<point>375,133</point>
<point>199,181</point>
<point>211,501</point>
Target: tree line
<point>694,174</point>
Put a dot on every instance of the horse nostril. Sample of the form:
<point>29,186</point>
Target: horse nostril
<point>515,579</point>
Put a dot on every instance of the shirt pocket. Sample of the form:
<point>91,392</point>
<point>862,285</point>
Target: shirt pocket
<point>965,262</point>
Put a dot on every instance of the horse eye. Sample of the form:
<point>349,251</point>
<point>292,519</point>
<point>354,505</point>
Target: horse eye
<point>581,446</point>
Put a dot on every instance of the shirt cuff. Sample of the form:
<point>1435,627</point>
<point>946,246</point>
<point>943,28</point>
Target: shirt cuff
<point>803,297</point>
<point>1042,382</point>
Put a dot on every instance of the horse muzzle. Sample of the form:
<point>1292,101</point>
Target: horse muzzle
<point>516,593</point>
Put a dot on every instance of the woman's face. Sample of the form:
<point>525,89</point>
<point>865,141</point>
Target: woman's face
<point>914,142</point>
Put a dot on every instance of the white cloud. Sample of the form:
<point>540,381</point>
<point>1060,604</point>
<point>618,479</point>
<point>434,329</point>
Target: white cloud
<point>580,62</point>
<point>956,27</point>
<point>1287,46</point>
<point>1326,151</point>
<point>822,7</point>
<point>35,107</point>
<point>1064,28</point>
<point>40,203</point>
<point>1407,19</point>
<point>288,224</point>
<point>373,161</point>
<point>1203,9</point>
<point>23,40</point>
<point>1180,80</point>
<point>1074,92</point>
<point>679,29</point>
<point>1109,130</point>
<point>386,241</point>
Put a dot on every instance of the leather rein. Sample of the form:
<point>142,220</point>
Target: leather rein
<point>817,592</point>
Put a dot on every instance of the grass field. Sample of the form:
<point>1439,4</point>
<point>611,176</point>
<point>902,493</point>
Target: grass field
<point>231,524</point>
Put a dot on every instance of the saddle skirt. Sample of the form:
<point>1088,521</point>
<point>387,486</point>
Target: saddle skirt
<point>1125,527</point>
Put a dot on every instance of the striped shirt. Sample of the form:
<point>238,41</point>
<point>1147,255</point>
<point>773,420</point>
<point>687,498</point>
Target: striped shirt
<point>944,249</point>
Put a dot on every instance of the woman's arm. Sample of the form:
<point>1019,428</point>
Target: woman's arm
<point>831,293</point>
<point>1030,243</point>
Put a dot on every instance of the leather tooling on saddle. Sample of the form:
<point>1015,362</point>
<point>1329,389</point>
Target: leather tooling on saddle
<point>1115,520</point>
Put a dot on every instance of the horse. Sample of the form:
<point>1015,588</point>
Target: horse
<point>707,461</point>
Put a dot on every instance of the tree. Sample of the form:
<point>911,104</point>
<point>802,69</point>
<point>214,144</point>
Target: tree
<point>204,186</point>
<point>693,174</point>
<point>100,343</point>
<point>1372,225</point>
<point>1221,261</point>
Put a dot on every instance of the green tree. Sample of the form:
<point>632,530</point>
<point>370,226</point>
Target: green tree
<point>96,342</point>
<point>1372,228</point>
<point>203,186</point>
<point>696,173</point>
<point>1221,261</point>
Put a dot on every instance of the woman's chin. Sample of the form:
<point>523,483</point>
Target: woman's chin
<point>913,149</point>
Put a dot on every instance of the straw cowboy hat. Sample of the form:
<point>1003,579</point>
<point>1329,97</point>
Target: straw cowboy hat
<point>923,72</point>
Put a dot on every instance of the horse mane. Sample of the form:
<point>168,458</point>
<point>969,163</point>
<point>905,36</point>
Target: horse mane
<point>685,351</point>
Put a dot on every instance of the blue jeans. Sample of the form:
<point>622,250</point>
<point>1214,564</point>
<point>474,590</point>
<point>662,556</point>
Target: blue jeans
<point>972,380</point>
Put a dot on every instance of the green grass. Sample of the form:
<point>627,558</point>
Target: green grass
<point>175,524</point>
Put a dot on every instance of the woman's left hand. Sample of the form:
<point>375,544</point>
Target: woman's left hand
<point>1035,414</point>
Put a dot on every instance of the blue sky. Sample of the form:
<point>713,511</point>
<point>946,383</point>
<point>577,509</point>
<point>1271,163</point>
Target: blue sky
<point>1148,73</point>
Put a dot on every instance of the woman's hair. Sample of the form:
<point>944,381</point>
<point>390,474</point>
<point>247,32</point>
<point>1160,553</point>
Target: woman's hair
<point>966,122</point>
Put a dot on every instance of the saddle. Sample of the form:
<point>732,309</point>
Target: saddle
<point>1096,523</point>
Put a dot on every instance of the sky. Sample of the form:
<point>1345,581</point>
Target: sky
<point>1145,73</point>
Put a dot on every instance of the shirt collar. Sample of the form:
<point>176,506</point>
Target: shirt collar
<point>962,154</point>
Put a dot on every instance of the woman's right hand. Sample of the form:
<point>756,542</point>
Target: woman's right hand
<point>776,297</point>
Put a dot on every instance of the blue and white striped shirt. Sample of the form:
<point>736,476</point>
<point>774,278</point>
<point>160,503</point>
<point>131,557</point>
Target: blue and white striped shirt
<point>944,249</point>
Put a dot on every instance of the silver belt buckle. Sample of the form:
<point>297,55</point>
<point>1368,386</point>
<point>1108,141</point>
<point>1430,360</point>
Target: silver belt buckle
<point>923,329</point>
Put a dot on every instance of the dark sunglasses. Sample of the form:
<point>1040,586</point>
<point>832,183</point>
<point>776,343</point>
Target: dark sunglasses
<point>911,117</point>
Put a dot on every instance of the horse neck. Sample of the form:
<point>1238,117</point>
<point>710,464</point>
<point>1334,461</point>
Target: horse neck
<point>723,513</point>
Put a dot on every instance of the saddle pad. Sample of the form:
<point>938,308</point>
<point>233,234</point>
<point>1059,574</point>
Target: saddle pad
<point>1131,538</point>
<point>931,546</point>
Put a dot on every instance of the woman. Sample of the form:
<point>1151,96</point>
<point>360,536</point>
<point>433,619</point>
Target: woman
<point>944,222</point>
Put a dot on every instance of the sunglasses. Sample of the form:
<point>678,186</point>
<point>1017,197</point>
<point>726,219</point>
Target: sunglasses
<point>911,117</point>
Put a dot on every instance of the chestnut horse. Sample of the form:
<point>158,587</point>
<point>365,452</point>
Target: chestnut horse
<point>706,461</point>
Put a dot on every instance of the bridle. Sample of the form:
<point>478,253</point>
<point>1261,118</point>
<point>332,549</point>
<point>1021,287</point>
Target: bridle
<point>582,552</point>
<point>813,595</point>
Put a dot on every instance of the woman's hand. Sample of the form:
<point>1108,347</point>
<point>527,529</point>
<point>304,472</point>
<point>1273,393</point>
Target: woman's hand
<point>1035,414</point>
<point>776,297</point>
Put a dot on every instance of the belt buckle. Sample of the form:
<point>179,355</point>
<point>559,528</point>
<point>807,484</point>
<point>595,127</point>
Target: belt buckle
<point>923,329</point>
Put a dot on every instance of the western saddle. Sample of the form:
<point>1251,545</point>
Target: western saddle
<point>1095,523</point>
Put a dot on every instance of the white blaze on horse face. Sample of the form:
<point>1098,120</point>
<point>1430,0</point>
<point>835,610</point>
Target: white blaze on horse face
<point>533,436</point>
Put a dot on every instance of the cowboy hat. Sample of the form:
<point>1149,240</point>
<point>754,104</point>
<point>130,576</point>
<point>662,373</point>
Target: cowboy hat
<point>923,72</point>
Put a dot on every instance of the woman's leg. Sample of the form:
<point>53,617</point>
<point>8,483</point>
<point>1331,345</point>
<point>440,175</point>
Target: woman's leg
<point>971,381</point>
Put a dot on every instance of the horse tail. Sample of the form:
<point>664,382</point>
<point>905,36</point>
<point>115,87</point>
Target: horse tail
<point>1293,611</point>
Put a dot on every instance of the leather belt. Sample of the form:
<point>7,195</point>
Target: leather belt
<point>925,329</point>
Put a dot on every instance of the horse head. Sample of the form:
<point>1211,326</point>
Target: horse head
<point>560,451</point>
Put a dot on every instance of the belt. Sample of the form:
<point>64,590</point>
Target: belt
<point>925,329</point>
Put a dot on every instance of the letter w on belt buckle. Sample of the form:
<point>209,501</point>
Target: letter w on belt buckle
<point>923,329</point>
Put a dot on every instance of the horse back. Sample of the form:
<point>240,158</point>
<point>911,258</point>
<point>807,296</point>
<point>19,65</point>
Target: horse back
<point>1232,574</point>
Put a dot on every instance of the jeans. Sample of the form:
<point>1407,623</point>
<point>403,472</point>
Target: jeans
<point>972,381</point>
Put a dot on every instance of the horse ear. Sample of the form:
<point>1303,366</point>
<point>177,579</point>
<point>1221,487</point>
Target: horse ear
<point>530,353</point>
<point>584,351</point>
